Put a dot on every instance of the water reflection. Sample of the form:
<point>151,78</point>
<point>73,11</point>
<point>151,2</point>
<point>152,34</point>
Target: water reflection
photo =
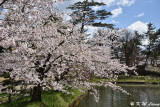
<point>114,98</point>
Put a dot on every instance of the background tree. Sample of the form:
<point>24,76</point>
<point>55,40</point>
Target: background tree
<point>152,39</point>
<point>155,53</point>
<point>84,14</point>
<point>136,43</point>
<point>129,50</point>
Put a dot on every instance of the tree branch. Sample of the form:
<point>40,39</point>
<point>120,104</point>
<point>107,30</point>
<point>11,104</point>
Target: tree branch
<point>3,2</point>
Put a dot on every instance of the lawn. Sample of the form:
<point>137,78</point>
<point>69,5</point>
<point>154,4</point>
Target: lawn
<point>59,99</point>
<point>131,79</point>
<point>50,99</point>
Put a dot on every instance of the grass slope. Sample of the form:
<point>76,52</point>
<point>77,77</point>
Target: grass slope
<point>50,99</point>
<point>132,79</point>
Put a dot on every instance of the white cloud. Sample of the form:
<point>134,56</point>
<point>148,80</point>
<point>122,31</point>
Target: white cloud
<point>66,17</point>
<point>116,12</point>
<point>114,22</point>
<point>122,2</point>
<point>107,2</point>
<point>96,7</point>
<point>118,2</point>
<point>91,30</point>
<point>141,27</point>
<point>125,2</point>
<point>131,2</point>
<point>140,15</point>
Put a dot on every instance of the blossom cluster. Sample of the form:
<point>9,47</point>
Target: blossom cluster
<point>41,48</point>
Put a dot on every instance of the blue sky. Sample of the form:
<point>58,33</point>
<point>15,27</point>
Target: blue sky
<point>141,10</point>
<point>131,14</point>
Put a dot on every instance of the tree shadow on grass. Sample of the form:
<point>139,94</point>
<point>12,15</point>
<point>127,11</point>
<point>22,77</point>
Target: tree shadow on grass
<point>24,102</point>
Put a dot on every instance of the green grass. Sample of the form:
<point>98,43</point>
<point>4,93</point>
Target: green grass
<point>131,79</point>
<point>134,77</point>
<point>153,81</point>
<point>95,80</point>
<point>49,99</point>
<point>145,79</point>
<point>59,99</point>
<point>3,99</point>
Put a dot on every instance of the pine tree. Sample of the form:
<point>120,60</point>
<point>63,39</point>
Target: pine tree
<point>84,14</point>
<point>152,38</point>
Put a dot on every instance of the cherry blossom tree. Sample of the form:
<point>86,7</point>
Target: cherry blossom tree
<point>43,50</point>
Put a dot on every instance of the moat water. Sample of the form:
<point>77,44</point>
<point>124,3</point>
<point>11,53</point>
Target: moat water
<point>141,96</point>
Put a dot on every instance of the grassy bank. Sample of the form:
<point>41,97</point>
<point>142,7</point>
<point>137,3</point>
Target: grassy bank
<point>132,79</point>
<point>59,99</point>
<point>139,79</point>
<point>50,99</point>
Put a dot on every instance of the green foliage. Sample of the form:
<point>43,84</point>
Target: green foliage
<point>7,82</point>
<point>99,24</point>
<point>130,49</point>
<point>6,75</point>
<point>152,49</point>
<point>85,15</point>
<point>85,5</point>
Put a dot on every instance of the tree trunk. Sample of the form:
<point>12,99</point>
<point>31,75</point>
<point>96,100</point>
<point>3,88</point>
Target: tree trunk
<point>127,60</point>
<point>36,94</point>
<point>146,62</point>
<point>82,28</point>
<point>9,98</point>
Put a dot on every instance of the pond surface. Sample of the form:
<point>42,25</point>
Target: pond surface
<point>141,96</point>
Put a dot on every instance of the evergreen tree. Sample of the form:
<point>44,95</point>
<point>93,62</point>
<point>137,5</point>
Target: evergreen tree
<point>152,38</point>
<point>136,41</point>
<point>84,14</point>
<point>130,48</point>
<point>155,52</point>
